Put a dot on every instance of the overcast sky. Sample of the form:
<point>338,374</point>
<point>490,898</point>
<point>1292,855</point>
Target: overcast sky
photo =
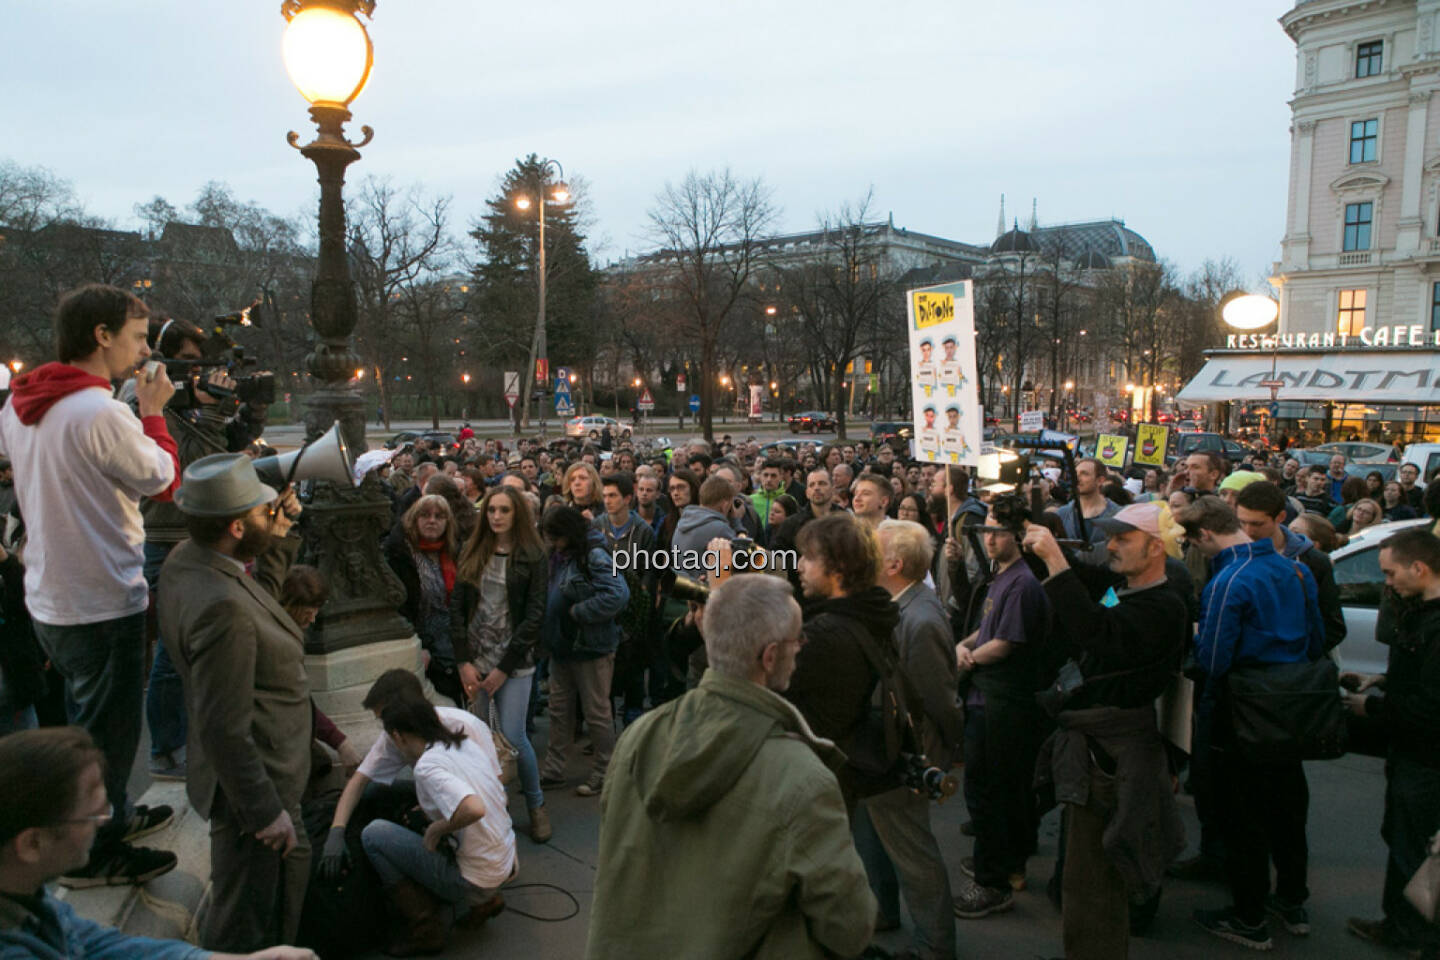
<point>1170,115</point>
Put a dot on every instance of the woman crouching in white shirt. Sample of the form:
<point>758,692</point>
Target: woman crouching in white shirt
<point>467,852</point>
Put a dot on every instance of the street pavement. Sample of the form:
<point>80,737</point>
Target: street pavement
<point>1346,872</point>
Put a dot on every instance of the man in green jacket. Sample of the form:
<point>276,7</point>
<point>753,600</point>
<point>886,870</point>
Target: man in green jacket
<point>770,491</point>
<point>729,782</point>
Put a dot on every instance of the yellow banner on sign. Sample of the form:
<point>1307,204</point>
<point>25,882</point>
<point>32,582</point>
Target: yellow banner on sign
<point>933,308</point>
<point>1150,441</point>
<point>1111,449</point>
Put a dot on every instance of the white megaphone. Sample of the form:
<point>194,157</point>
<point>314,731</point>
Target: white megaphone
<point>325,458</point>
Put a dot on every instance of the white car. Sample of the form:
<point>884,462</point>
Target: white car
<point>1358,577</point>
<point>1426,456</point>
<point>592,426</point>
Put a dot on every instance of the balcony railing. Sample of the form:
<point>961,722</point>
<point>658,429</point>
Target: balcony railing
<point>1357,259</point>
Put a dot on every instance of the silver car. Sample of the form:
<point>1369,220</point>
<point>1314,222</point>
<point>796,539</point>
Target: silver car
<point>592,426</point>
<point>1358,577</point>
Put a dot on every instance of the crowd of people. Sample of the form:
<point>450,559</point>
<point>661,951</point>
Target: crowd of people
<point>764,747</point>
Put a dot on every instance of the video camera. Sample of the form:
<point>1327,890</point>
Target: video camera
<point>219,350</point>
<point>921,777</point>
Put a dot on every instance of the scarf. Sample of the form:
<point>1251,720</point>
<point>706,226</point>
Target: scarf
<point>436,570</point>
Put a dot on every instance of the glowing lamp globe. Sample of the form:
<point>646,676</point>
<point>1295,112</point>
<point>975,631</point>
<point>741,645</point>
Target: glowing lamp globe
<point>1249,311</point>
<point>328,55</point>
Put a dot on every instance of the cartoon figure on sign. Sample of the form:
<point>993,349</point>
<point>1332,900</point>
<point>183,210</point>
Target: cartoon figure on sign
<point>1148,447</point>
<point>1107,452</point>
<point>954,445</point>
<point>929,434</point>
<point>951,375</point>
<point>925,369</point>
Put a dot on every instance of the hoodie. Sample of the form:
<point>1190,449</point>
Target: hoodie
<point>1302,548</point>
<point>727,781</point>
<point>833,679</point>
<point>696,527</point>
<point>82,462</point>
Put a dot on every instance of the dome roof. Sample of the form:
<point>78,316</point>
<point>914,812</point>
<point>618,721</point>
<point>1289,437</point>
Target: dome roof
<point>1092,260</point>
<point>1015,241</point>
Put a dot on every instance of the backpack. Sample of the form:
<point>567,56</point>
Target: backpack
<point>881,745</point>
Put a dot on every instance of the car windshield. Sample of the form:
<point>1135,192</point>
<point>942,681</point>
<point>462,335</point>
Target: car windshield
<point>1359,578</point>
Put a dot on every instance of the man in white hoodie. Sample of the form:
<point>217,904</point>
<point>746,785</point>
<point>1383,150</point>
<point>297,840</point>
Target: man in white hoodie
<point>82,463</point>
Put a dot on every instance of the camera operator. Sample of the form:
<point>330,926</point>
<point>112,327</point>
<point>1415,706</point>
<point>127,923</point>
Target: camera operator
<point>1107,759</point>
<point>198,422</point>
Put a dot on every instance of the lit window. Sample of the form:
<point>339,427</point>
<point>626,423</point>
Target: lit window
<point>1368,58</point>
<point>1352,312</point>
<point>1364,135</point>
<point>1357,225</point>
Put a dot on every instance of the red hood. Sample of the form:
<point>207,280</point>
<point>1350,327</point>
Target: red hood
<point>34,393</point>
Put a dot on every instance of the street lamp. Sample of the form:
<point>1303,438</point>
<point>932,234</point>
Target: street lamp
<point>1256,311</point>
<point>559,194</point>
<point>328,56</point>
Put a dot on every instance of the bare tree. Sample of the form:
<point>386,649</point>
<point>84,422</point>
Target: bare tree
<point>709,229</point>
<point>397,239</point>
<point>840,296</point>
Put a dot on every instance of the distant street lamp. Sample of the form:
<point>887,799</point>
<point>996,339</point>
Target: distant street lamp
<point>559,194</point>
<point>328,56</point>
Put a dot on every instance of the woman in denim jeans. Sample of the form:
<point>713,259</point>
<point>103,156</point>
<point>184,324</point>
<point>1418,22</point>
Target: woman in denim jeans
<point>496,612</point>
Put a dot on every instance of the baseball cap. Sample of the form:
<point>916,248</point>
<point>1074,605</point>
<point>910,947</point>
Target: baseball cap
<point>1144,517</point>
<point>1240,479</point>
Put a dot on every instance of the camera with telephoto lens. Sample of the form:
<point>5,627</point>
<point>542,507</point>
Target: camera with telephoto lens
<point>689,591</point>
<point>219,350</point>
<point>920,776</point>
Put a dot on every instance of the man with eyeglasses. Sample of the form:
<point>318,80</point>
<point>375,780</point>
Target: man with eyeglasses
<point>48,820</point>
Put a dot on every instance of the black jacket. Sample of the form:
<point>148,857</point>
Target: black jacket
<point>526,577</point>
<point>1327,593</point>
<point>1409,711</point>
<point>402,563</point>
<point>1143,637</point>
<point>833,680</point>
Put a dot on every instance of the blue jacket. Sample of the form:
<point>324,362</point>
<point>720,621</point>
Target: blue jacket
<point>59,933</point>
<point>582,605</point>
<point>1258,607</point>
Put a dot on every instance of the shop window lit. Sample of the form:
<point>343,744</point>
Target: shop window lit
<point>1358,217</point>
<point>1352,312</point>
<point>1364,136</point>
<point>1369,57</point>
<point>1435,308</point>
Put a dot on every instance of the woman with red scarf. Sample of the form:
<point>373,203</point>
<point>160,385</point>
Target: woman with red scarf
<point>422,551</point>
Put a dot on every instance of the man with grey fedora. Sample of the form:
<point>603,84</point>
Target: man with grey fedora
<point>241,659</point>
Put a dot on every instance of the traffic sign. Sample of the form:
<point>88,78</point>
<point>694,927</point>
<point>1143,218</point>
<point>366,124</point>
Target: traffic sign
<point>680,383</point>
<point>694,402</point>
<point>647,402</point>
<point>562,373</point>
<point>512,387</point>
<point>563,406</point>
<point>562,387</point>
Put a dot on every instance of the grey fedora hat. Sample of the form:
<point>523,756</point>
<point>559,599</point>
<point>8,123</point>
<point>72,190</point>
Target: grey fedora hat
<point>221,485</point>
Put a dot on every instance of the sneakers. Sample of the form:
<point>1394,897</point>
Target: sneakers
<point>1295,919</point>
<point>591,787</point>
<point>1225,925</point>
<point>979,901</point>
<point>553,783</point>
<point>122,865</point>
<point>164,766</point>
<point>1017,880</point>
<point>147,820</point>
<point>1201,868</point>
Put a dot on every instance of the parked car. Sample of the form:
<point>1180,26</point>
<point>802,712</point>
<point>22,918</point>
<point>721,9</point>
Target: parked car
<point>811,421</point>
<point>592,426</point>
<point>784,448</point>
<point>1360,582</point>
<point>1188,443</point>
<point>1358,452</point>
<point>894,432</point>
<point>446,441</point>
<point>1426,456</point>
<point>1387,470</point>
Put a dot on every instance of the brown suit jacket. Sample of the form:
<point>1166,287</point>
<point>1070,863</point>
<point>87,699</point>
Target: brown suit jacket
<point>241,658</point>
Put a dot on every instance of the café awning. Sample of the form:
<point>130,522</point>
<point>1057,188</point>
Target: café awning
<point>1350,376</point>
